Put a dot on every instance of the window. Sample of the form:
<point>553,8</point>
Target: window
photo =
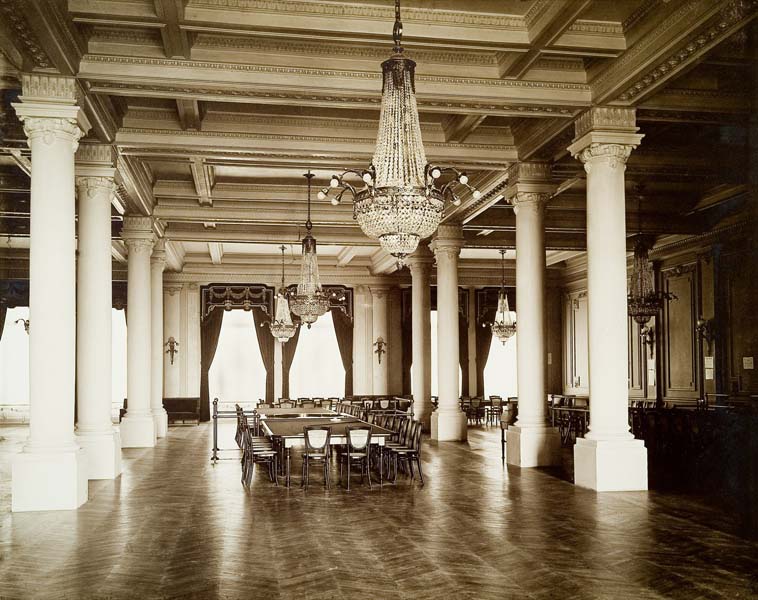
<point>14,360</point>
<point>500,377</point>
<point>317,369</point>
<point>237,373</point>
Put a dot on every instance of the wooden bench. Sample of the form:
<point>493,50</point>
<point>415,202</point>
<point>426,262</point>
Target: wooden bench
<point>182,411</point>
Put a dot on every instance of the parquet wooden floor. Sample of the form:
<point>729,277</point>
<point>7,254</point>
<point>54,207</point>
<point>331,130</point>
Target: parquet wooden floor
<point>174,526</point>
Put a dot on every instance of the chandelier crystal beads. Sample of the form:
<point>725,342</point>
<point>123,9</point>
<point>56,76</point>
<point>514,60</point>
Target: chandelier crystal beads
<point>504,326</point>
<point>400,198</point>
<point>282,327</point>
<point>309,301</point>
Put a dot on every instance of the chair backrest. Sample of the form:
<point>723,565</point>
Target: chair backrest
<point>358,438</point>
<point>317,438</point>
<point>416,437</point>
<point>475,402</point>
<point>384,404</point>
<point>308,404</point>
<point>496,400</point>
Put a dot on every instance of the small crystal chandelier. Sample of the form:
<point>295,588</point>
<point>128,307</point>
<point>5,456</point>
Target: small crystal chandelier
<point>504,326</point>
<point>400,198</point>
<point>309,301</point>
<point>282,327</point>
<point>643,301</point>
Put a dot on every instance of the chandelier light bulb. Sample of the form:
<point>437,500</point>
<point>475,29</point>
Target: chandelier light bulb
<point>463,178</point>
<point>367,177</point>
<point>335,201</point>
<point>477,194</point>
<point>436,172</point>
<point>322,195</point>
<point>334,182</point>
<point>456,200</point>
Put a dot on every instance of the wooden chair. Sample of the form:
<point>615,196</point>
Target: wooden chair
<point>356,451</point>
<point>317,449</point>
<point>410,452</point>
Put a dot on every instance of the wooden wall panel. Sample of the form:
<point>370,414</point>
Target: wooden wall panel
<point>637,355</point>
<point>576,349</point>
<point>680,347</point>
<point>742,319</point>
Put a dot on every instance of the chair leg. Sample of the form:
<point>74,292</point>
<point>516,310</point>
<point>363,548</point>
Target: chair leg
<point>368,468</point>
<point>348,472</point>
<point>418,464</point>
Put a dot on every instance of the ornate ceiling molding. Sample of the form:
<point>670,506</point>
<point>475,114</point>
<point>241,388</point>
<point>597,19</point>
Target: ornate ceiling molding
<point>378,13</point>
<point>12,12</point>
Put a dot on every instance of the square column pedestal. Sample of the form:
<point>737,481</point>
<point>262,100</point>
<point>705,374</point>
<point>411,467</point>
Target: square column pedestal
<point>533,446</point>
<point>54,480</point>
<point>449,426</point>
<point>610,466</point>
<point>103,452</point>
<point>138,431</point>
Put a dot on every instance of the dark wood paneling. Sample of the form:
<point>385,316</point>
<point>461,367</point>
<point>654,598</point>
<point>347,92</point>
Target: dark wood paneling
<point>680,364</point>
<point>742,320</point>
<point>637,354</point>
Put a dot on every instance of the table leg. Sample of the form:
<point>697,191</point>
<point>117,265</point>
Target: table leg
<point>381,465</point>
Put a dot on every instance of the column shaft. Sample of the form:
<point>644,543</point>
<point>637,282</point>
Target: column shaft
<point>138,425</point>
<point>380,337</point>
<point>50,473</point>
<point>157,264</point>
<point>448,422</point>
<point>172,329</point>
<point>608,458</point>
<point>95,431</point>
<point>420,264</point>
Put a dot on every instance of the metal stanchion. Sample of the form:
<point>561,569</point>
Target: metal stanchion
<point>221,414</point>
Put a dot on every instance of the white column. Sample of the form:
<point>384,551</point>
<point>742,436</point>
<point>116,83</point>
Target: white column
<point>51,471</point>
<point>172,329</point>
<point>470,371</point>
<point>380,334</point>
<point>192,307</point>
<point>157,264</point>
<point>420,265</point>
<point>138,425</point>
<point>448,421</point>
<point>395,350</point>
<point>530,442</point>
<point>608,458</point>
<point>95,431</point>
<point>362,330</point>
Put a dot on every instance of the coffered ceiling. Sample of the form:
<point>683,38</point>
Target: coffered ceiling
<point>217,108</point>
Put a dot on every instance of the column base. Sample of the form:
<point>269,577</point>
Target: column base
<point>138,431</point>
<point>449,426</point>
<point>48,480</point>
<point>160,418</point>
<point>103,451</point>
<point>533,446</point>
<point>610,466</point>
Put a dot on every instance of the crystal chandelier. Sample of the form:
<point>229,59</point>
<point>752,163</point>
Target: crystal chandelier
<point>643,301</point>
<point>400,198</point>
<point>504,326</point>
<point>282,327</point>
<point>309,301</point>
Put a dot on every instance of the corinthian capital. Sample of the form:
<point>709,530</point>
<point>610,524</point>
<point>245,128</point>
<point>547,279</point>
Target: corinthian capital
<point>615,155</point>
<point>50,129</point>
<point>91,187</point>
<point>137,233</point>
<point>534,201</point>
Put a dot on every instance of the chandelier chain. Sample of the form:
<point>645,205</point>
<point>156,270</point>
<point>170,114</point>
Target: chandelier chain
<point>397,30</point>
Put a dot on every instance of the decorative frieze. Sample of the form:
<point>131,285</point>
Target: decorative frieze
<point>96,154</point>
<point>38,87</point>
<point>607,119</point>
<point>12,13</point>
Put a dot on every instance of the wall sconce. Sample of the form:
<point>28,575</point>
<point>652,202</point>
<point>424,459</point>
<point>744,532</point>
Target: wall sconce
<point>380,348</point>
<point>172,348</point>
<point>706,331</point>
<point>26,324</point>
<point>648,338</point>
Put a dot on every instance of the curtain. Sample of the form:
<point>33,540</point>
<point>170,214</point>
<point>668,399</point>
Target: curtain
<point>288,355</point>
<point>483,341</point>
<point>343,329</point>
<point>266,344</point>
<point>463,354</point>
<point>3,312</point>
<point>210,330</point>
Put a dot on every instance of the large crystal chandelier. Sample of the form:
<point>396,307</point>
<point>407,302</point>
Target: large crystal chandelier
<point>505,325</point>
<point>400,198</point>
<point>282,327</point>
<point>309,301</point>
<point>643,301</point>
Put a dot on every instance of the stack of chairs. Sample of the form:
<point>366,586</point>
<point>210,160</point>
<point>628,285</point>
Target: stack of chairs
<point>255,449</point>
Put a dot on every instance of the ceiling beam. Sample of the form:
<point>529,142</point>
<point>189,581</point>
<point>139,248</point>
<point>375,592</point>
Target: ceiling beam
<point>216,251</point>
<point>556,18</point>
<point>345,256</point>
<point>176,41</point>
<point>458,127</point>
<point>189,113</point>
<point>201,177</point>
